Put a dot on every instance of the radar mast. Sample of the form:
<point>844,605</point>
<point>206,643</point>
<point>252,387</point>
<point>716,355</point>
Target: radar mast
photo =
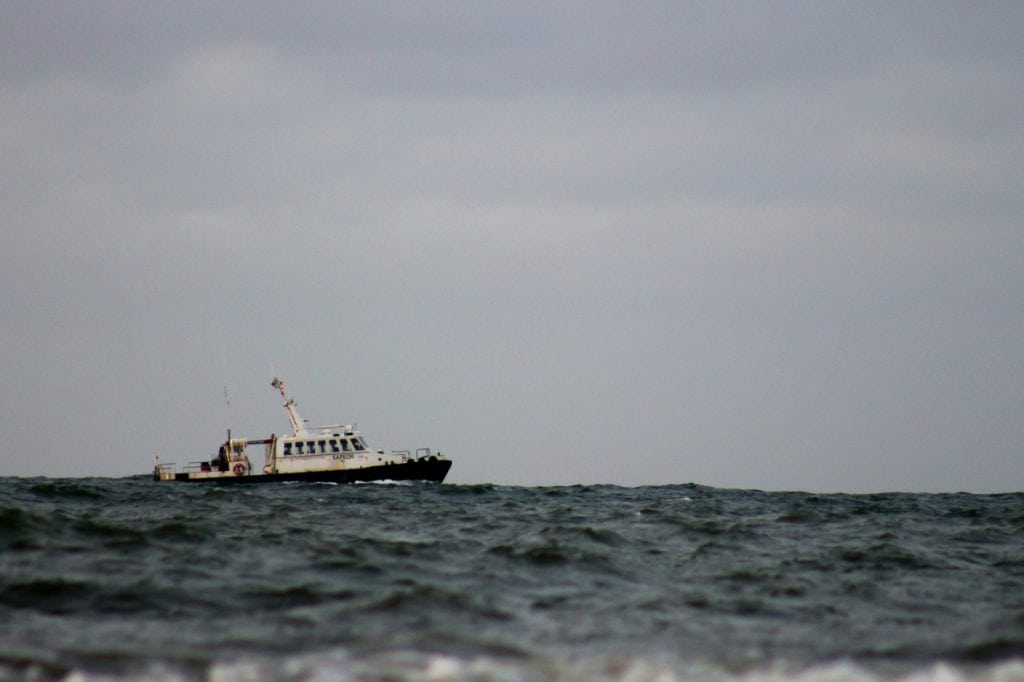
<point>297,422</point>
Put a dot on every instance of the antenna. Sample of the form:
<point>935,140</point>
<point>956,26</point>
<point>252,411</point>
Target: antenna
<point>224,367</point>
<point>227,403</point>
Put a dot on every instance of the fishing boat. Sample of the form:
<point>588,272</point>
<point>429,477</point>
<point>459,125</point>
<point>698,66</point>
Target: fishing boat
<point>335,453</point>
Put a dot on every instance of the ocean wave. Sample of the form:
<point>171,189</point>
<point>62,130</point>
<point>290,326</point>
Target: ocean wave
<point>339,665</point>
<point>69,596</point>
<point>500,582</point>
<point>67,489</point>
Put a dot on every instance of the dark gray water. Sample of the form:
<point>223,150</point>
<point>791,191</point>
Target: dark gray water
<point>131,579</point>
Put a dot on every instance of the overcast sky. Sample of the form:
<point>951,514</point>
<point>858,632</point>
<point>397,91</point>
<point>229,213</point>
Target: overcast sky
<point>762,245</point>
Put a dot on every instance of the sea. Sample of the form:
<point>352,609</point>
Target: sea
<point>130,579</point>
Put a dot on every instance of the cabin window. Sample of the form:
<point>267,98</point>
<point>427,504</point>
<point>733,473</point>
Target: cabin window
<point>358,443</point>
<point>287,449</point>
<point>334,446</point>
<point>310,447</point>
<point>344,444</point>
<point>323,446</point>
<point>298,448</point>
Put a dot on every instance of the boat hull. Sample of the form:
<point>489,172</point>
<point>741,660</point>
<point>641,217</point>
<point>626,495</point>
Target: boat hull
<point>432,470</point>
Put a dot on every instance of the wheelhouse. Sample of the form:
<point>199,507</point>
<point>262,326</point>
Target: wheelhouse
<point>296,446</point>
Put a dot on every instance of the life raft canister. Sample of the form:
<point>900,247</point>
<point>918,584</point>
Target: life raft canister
<point>239,469</point>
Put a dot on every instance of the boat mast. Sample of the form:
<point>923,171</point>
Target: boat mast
<point>227,403</point>
<point>297,422</point>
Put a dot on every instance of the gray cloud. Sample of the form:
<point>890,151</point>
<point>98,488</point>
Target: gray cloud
<point>741,244</point>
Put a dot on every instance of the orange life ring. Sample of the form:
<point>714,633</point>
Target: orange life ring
<point>239,469</point>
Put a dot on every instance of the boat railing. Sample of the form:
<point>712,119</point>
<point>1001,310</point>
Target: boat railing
<point>196,466</point>
<point>421,453</point>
